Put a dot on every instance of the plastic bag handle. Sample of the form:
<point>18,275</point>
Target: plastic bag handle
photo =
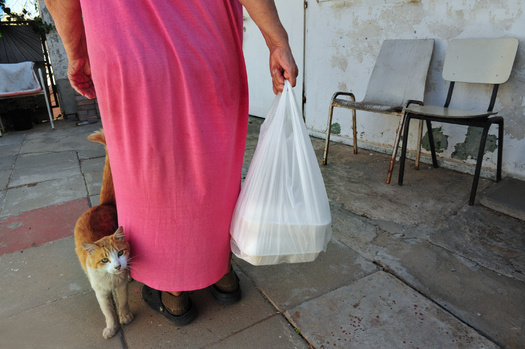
<point>287,85</point>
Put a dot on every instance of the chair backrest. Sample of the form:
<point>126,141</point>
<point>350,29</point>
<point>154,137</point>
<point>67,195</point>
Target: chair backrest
<point>400,72</point>
<point>487,61</point>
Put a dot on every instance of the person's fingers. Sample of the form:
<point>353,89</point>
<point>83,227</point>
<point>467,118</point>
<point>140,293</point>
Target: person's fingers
<point>291,73</point>
<point>82,84</point>
<point>79,74</point>
<point>86,89</point>
<point>283,68</point>
<point>277,80</point>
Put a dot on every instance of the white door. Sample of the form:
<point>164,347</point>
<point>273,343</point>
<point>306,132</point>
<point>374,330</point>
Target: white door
<point>291,13</point>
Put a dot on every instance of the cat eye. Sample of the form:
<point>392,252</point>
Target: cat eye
<point>120,253</point>
<point>104,260</point>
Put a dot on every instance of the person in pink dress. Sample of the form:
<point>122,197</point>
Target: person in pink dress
<point>172,89</point>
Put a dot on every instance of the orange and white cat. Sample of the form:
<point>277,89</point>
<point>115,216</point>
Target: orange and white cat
<point>103,252</point>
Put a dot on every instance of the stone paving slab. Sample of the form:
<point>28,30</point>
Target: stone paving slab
<point>4,178</point>
<point>6,167</point>
<point>12,149</point>
<point>379,311</point>
<point>94,200</point>
<point>74,322</point>
<point>287,285</point>
<point>42,194</point>
<point>507,196</point>
<point>64,138</point>
<point>36,277</point>
<point>490,239</point>
<point>357,181</point>
<point>47,301</point>
<point>490,302</point>
<point>10,144</point>
<point>35,168</point>
<point>91,153</point>
<point>214,322</point>
<point>93,169</point>
<point>275,332</point>
<point>354,231</point>
<point>12,139</point>
<point>388,225</point>
<point>6,161</point>
<point>36,227</point>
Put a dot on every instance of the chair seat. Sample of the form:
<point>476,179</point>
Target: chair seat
<point>447,113</point>
<point>339,102</point>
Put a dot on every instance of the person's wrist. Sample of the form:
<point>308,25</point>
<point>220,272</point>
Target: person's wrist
<point>277,40</point>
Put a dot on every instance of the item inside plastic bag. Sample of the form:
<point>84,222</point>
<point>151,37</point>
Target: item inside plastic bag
<point>282,214</point>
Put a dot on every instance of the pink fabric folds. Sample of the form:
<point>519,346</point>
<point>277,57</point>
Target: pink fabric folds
<point>172,90</point>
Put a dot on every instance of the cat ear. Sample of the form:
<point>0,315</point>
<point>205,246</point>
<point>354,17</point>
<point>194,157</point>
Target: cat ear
<point>90,248</point>
<point>119,234</point>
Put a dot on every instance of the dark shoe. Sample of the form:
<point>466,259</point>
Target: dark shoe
<point>186,312</point>
<point>227,290</point>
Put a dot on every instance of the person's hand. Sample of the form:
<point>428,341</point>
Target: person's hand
<point>79,74</point>
<point>282,67</point>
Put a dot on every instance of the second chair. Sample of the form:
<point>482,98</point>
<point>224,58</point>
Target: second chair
<point>468,61</point>
<point>398,80</point>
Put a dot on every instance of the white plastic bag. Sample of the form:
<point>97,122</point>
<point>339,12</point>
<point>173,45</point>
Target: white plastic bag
<point>282,214</point>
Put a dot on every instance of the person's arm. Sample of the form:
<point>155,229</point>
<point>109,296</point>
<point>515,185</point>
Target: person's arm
<point>67,15</point>
<point>282,63</point>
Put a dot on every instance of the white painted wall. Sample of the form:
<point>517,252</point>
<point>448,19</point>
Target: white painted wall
<point>343,39</point>
<point>256,54</point>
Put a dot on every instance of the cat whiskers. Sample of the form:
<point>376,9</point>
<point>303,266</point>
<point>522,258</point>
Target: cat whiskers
<point>130,262</point>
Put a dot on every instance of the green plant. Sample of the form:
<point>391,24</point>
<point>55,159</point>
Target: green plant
<point>35,23</point>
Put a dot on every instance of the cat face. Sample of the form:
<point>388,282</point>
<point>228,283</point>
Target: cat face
<point>109,254</point>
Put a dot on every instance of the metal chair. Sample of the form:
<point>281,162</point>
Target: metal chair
<point>475,61</point>
<point>20,80</point>
<point>398,80</point>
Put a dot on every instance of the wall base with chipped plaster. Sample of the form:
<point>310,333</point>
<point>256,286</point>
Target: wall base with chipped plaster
<point>343,39</point>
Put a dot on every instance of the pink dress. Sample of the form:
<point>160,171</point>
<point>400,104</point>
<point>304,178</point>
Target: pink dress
<point>172,90</point>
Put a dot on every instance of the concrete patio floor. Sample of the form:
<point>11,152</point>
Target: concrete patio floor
<point>407,267</point>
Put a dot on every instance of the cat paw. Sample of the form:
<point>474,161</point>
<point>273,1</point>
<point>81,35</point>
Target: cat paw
<point>126,318</point>
<point>109,332</point>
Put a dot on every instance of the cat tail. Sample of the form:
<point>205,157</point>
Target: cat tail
<point>107,192</point>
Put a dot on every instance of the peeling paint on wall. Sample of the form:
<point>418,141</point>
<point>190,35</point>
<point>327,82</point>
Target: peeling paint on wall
<point>440,140</point>
<point>342,86</point>
<point>470,147</point>
<point>343,39</point>
<point>511,96</point>
<point>339,61</point>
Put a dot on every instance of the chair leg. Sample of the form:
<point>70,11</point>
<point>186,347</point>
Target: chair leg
<point>418,149</point>
<point>500,149</point>
<point>44,88</point>
<point>432,147</point>
<point>328,131</point>
<point>403,150</point>
<point>481,151</point>
<point>395,147</point>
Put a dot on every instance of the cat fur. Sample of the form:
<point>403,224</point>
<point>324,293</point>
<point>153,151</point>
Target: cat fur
<point>99,239</point>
